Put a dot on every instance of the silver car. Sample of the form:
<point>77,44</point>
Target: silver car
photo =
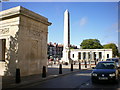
<point>117,60</point>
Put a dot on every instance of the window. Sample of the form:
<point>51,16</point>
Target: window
<point>84,55</point>
<point>88,55</point>
<point>107,55</point>
<point>94,55</point>
<point>79,55</point>
<point>73,55</point>
<point>2,49</point>
<point>100,55</point>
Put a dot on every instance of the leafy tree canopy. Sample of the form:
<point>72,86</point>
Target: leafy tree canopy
<point>113,47</point>
<point>91,44</point>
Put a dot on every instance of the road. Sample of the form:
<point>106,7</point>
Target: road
<point>75,80</point>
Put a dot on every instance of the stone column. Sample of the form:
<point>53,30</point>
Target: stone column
<point>92,56</point>
<point>97,55</point>
<point>103,55</point>
<point>82,56</point>
<point>86,56</point>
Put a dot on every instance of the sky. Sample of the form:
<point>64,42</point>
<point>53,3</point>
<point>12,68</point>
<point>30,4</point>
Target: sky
<point>88,20</point>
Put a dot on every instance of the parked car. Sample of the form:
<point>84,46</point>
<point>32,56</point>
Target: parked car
<point>105,71</point>
<point>117,60</point>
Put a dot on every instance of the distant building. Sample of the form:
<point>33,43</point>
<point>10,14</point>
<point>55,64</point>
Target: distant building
<point>55,50</point>
<point>90,54</point>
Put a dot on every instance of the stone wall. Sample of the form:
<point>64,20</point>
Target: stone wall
<point>33,40</point>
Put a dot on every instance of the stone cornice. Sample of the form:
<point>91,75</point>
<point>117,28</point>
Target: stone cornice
<point>91,49</point>
<point>22,11</point>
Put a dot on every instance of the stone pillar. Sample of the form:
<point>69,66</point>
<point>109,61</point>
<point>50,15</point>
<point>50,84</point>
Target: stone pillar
<point>81,55</point>
<point>103,55</point>
<point>97,55</point>
<point>86,56</point>
<point>92,56</point>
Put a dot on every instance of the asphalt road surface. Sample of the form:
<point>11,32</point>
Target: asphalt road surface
<point>75,80</point>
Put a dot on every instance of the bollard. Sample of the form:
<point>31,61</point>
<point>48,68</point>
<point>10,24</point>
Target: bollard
<point>18,79</point>
<point>79,65</point>
<point>60,69</point>
<point>95,62</point>
<point>44,72</point>
<point>71,67</point>
<point>85,64</point>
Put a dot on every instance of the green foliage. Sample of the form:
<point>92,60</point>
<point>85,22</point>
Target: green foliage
<point>113,47</point>
<point>91,44</point>
<point>72,48</point>
<point>119,55</point>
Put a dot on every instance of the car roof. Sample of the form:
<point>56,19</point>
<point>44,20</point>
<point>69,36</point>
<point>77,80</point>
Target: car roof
<point>105,61</point>
<point>113,58</point>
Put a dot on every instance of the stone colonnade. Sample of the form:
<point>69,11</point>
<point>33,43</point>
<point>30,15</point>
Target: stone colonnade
<point>91,54</point>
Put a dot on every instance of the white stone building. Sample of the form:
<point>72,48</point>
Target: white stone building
<point>90,54</point>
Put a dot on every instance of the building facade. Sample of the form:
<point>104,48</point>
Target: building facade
<point>23,41</point>
<point>90,54</point>
<point>55,50</point>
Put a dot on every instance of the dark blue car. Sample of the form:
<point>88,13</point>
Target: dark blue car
<point>105,71</point>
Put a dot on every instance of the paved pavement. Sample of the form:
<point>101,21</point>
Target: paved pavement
<point>53,72</point>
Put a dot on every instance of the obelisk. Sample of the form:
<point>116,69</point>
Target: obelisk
<point>66,49</point>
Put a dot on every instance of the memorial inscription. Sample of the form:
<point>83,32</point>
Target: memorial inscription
<point>4,31</point>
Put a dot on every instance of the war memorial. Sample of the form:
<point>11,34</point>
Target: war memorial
<point>23,42</point>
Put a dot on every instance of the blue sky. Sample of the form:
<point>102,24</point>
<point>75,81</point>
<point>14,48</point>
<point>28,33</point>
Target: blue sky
<point>88,20</point>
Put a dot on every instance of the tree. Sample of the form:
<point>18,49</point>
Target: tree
<point>91,44</point>
<point>113,47</point>
<point>119,55</point>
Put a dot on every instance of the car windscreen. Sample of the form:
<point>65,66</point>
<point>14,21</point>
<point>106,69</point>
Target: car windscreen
<point>105,65</point>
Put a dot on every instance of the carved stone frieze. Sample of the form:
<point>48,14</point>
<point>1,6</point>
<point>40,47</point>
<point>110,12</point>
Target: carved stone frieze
<point>4,31</point>
<point>35,33</point>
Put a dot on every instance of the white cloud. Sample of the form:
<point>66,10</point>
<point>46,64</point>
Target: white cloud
<point>83,21</point>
